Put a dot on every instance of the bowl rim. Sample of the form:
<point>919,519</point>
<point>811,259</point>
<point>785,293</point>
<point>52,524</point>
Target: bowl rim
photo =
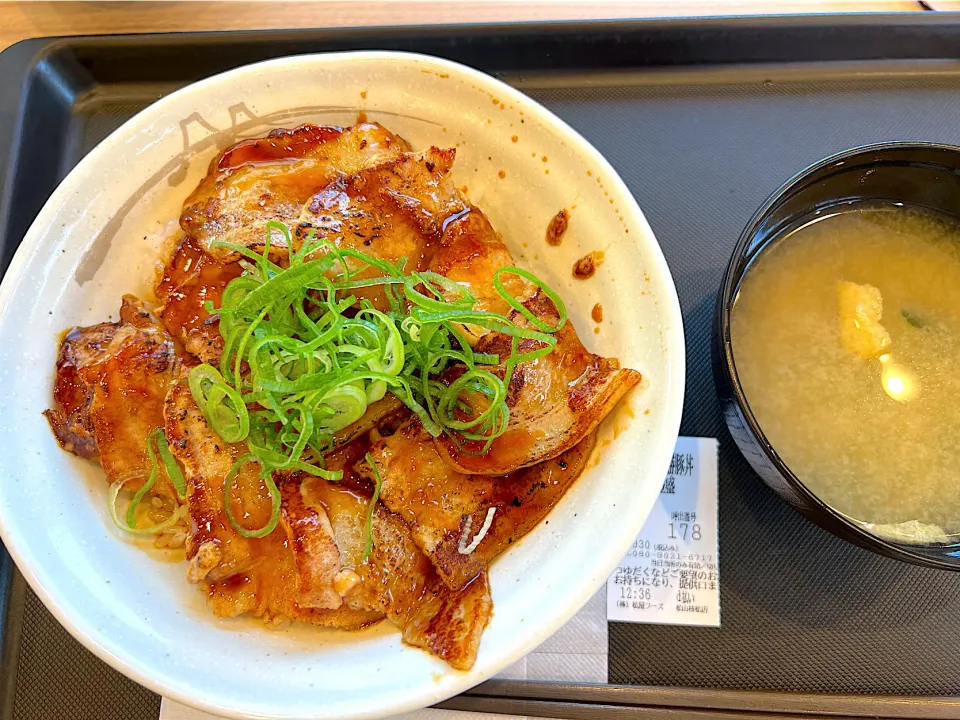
<point>608,555</point>
<point>826,516</point>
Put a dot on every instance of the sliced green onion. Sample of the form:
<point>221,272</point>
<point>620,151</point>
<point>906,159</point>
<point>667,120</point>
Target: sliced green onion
<point>304,357</point>
<point>246,252</point>
<point>519,306</point>
<point>115,488</point>
<point>368,543</point>
<point>271,488</point>
<point>479,382</point>
<point>220,404</point>
<point>170,465</point>
<point>169,462</point>
<point>348,402</point>
<point>129,523</point>
<point>463,298</point>
<point>285,283</point>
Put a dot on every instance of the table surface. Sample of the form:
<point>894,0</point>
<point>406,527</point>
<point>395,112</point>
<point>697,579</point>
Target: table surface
<point>20,20</point>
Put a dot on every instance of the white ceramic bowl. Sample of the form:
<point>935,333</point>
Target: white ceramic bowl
<point>99,236</point>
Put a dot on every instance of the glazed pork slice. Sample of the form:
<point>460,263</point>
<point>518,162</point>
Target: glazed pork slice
<point>392,211</point>
<point>396,579</point>
<point>128,401</point>
<point>260,576</point>
<point>79,366</point>
<point>110,387</point>
<point>271,178</point>
<point>555,401</point>
<point>409,207</point>
<point>389,211</point>
<point>191,278</point>
<point>214,549</point>
<point>418,184</point>
<point>311,567</point>
<point>270,589</point>
<point>315,551</point>
<point>450,625</point>
<point>462,522</point>
<point>471,252</point>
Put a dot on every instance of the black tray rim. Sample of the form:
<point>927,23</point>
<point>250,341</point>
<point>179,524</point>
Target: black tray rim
<point>842,22</point>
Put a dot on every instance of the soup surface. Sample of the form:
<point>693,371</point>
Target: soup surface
<point>846,338</point>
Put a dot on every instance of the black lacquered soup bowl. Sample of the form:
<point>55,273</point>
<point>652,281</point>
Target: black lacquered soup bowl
<point>923,175</point>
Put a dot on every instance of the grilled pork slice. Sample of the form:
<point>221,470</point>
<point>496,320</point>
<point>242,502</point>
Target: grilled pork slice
<point>270,589</point>
<point>409,207</point>
<point>214,549</point>
<point>415,185</point>
<point>79,366</point>
<point>109,389</point>
<point>261,576</point>
<point>315,551</point>
<point>311,566</point>
<point>396,579</point>
<point>191,278</point>
<point>471,252</point>
<point>462,522</point>
<point>555,401</point>
<point>271,178</point>
<point>392,211</point>
<point>450,625</point>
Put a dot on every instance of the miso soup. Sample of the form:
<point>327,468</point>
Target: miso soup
<point>846,339</point>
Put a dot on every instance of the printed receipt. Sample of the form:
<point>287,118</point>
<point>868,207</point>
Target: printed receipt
<point>670,576</point>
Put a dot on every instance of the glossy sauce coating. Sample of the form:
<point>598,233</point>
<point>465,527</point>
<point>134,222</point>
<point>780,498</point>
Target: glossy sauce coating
<point>190,279</point>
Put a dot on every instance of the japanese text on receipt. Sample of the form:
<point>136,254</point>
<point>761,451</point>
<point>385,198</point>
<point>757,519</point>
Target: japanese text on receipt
<point>671,573</point>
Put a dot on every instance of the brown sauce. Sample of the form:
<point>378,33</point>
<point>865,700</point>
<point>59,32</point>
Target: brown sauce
<point>586,266</point>
<point>190,279</point>
<point>557,227</point>
<point>278,145</point>
<point>597,313</point>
